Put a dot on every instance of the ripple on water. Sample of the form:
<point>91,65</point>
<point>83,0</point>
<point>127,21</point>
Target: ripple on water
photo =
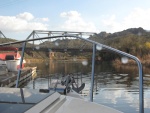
<point>117,77</point>
<point>147,75</point>
<point>144,78</point>
<point>123,74</point>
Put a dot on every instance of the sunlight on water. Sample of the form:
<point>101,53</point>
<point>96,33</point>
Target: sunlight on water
<point>37,47</point>
<point>85,62</point>
<point>98,47</point>
<point>147,75</point>
<point>124,60</point>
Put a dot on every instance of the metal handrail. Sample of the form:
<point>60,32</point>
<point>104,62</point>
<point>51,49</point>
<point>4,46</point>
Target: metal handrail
<point>141,100</point>
<point>141,95</point>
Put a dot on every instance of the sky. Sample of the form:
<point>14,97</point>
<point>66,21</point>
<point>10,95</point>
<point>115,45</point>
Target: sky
<point>18,18</point>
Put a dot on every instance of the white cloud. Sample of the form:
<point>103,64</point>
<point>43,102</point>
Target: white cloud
<point>137,18</point>
<point>70,14</point>
<point>74,22</point>
<point>21,22</point>
<point>25,16</point>
<point>45,19</point>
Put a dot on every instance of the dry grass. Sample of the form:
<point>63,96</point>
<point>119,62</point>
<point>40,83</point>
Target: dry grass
<point>144,60</point>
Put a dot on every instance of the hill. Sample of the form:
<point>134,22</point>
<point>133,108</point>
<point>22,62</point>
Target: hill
<point>135,41</point>
<point>104,37</point>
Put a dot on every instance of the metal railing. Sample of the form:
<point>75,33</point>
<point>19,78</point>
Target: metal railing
<point>141,101</point>
<point>141,95</point>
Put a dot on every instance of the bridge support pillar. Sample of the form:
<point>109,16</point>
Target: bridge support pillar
<point>51,55</point>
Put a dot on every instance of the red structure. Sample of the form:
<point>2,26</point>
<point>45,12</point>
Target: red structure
<point>11,54</point>
<point>11,57</point>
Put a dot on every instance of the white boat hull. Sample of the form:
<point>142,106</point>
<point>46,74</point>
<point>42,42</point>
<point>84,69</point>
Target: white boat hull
<point>68,104</point>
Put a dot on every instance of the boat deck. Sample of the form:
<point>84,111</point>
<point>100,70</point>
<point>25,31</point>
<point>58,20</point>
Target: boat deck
<point>19,100</point>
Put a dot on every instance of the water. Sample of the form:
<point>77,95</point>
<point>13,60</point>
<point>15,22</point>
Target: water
<point>116,87</point>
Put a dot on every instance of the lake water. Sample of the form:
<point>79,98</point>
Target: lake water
<point>115,87</point>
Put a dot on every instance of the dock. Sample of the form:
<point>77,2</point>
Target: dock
<point>9,79</point>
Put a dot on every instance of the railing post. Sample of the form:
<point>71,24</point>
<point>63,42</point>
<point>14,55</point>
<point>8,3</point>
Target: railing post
<point>21,60</point>
<point>33,38</point>
<point>141,92</point>
<point>33,83</point>
<point>22,95</point>
<point>92,74</point>
<point>48,81</point>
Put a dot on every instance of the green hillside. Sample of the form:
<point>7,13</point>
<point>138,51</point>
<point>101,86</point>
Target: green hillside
<point>135,41</point>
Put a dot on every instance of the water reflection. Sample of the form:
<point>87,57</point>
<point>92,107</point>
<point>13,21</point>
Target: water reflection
<point>116,87</point>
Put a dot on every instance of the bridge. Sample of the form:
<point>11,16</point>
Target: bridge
<point>52,46</point>
<point>79,45</point>
<point>56,49</point>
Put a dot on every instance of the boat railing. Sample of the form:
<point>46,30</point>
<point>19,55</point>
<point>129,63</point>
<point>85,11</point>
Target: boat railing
<point>124,54</point>
<point>95,44</point>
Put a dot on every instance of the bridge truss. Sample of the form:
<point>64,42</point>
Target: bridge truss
<point>40,33</point>
<point>2,35</point>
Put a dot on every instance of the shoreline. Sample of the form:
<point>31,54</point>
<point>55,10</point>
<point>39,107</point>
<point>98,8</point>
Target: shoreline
<point>145,63</point>
<point>116,62</point>
<point>60,60</point>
